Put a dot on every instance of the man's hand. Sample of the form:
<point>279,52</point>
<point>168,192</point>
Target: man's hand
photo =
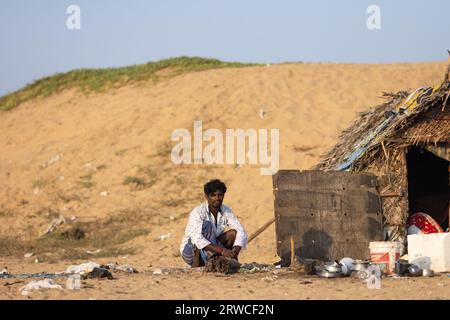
<point>228,253</point>
<point>235,251</point>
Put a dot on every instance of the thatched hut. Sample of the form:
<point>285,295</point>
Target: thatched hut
<point>406,143</point>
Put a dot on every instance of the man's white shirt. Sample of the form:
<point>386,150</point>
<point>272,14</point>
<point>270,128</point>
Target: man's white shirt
<point>225,218</point>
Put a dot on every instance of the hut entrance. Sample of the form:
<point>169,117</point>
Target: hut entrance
<point>428,185</point>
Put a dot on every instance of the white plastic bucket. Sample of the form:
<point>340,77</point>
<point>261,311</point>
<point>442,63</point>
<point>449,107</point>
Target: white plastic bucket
<point>385,254</point>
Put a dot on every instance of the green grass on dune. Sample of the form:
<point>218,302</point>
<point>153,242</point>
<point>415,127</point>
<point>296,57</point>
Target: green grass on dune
<point>96,80</point>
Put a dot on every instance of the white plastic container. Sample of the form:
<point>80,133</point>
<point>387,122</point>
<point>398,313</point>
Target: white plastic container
<point>430,251</point>
<point>385,254</point>
<point>73,282</point>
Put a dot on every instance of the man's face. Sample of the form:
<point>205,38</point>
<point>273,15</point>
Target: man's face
<point>215,199</point>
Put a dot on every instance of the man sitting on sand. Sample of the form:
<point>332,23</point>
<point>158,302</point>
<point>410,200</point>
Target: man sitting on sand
<point>205,234</point>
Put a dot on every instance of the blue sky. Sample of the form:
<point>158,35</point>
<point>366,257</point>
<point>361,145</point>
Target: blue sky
<point>35,41</point>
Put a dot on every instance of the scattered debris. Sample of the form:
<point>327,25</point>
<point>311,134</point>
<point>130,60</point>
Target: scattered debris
<point>33,275</point>
<point>39,284</point>
<point>93,252</point>
<point>117,267</point>
<point>54,224</point>
<point>303,266</point>
<point>28,255</point>
<point>12,283</point>
<point>157,272</point>
<point>255,267</point>
<point>165,236</point>
<point>5,271</point>
<point>262,113</point>
<point>82,268</point>
<point>222,264</point>
<point>269,279</point>
<point>51,161</point>
<point>97,273</point>
<point>73,234</point>
<point>37,260</point>
<point>104,193</point>
<point>73,282</point>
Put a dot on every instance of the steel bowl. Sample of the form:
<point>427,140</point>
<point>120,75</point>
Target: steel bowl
<point>328,274</point>
<point>427,273</point>
<point>359,265</point>
<point>334,267</point>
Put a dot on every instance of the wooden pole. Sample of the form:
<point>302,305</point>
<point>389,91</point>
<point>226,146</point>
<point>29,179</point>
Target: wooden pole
<point>292,250</point>
<point>260,230</point>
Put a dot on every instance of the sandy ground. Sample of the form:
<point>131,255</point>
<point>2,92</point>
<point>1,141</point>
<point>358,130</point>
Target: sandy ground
<point>275,284</point>
<point>49,145</point>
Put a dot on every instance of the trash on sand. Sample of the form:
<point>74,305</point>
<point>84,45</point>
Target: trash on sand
<point>104,193</point>
<point>157,271</point>
<point>262,113</point>
<point>37,260</point>
<point>73,282</point>
<point>117,267</point>
<point>39,284</point>
<point>369,274</point>
<point>5,271</point>
<point>33,275</point>
<point>303,265</point>
<point>164,236</point>
<point>97,273</point>
<point>52,226</point>
<point>222,264</point>
<point>51,161</point>
<point>28,255</point>
<point>269,279</point>
<point>82,268</point>
<point>255,267</point>
<point>93,252</point>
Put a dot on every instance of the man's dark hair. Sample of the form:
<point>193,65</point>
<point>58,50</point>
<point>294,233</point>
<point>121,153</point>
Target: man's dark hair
<point>214,185</point>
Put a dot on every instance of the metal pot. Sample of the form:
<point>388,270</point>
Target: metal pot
<point>333,267</point>
<point>402,267</point>
<point>414,271</point>
<point>328,274</point>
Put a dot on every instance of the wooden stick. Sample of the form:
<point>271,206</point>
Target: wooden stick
<point>292,250</point>
<point>260,230</point>
<point>392,194</point>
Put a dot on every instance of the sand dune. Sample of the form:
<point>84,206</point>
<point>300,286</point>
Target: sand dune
<point>60,153</point>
